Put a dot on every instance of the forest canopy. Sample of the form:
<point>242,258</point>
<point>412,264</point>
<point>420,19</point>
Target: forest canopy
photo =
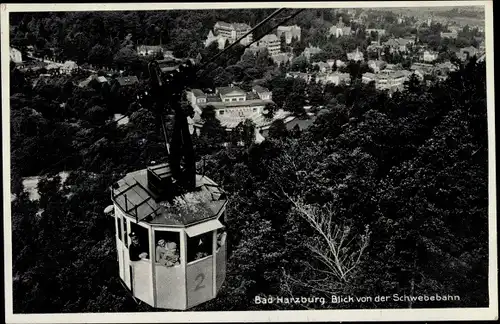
<point>405,177</point>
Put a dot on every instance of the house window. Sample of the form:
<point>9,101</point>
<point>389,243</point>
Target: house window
<point>233,99</point>
<point>240,99</point>
<point>226,100</point>
<point>119,226</point>
<point>255,109</point>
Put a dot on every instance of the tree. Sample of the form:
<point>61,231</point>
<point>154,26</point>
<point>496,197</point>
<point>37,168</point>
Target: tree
<point>212,136</point>
<point>278,130</point>
<point>269,110</point>
<point>125,57</point>
<point>283,45</point>
<point>335,249</point>
<point>300,64</point>
<point>248,132</point>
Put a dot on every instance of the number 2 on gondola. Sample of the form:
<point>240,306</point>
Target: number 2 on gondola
<point>199,281</point>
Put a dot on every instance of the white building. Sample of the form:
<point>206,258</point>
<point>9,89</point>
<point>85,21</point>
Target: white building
<point>290,32</point>
<point>68,67</point>
<point>380,32</point>
<point>334,77</point>
<point>307,77</point>
<point>272,43</point>
<point>225,31</point>
<point>377,65</point>
<point>231,101</point>
<point>429,56</point>
<point>146,50</point>
<point>452,34</point>
<point>391,80</point>
<point>221,40</point>
<point>340,29</point>
<point>355,56</point>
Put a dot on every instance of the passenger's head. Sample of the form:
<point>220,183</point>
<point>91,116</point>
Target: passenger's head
<point>161,243</point>
<point>134,238</point>
<point>172,245</point>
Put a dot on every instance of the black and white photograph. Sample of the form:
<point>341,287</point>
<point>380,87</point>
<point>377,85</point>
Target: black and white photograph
<point>209,162</point>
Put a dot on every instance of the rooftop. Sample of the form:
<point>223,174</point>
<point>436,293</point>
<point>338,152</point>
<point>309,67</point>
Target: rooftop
<point>234,104</point>
<point>135,197</point>
<point>128,80</point>
<point>226,90</point>
<point>198,93</point>
<point>269,38</point>
<point>239,26</point>
<point>260,89</point>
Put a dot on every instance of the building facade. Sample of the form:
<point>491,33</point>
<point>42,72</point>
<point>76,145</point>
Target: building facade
<point>429,56</point>
<point>467,52</point>
<point>221,40</point>
<point>377,65</point>
<point>340,29</point>
<point>453,34</point>
<point>231,102</point>
<point>310,51</point>
<point>272,43</point>
<point>357,55</point>
<point>307,77</point>
<point>147,50</point>
<point>335,78</point>
<point>399,44</point>
<point>379,32</point>
<point>290,33</point>
<point>392,81</point>
<point>233,31</point>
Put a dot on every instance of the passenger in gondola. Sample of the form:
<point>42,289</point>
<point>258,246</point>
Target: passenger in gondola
<point>221,238</point>
<point>161,253</point>
<point>172,255</point>
<point>136,251</point>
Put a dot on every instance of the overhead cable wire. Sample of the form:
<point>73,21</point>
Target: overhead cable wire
<point>271,16</point>
<point>256,39</point>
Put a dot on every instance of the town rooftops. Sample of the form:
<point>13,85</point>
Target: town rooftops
<point>393,42</point>
<point>135,197</point>
<point>127,80</point>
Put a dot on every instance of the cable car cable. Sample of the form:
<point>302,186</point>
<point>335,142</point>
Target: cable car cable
<point>254,41</point>
<point>270,17</point>
<point>243,37</point>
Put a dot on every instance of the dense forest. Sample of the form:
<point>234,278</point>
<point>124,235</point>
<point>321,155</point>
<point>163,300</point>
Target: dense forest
<point>381,195</point>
